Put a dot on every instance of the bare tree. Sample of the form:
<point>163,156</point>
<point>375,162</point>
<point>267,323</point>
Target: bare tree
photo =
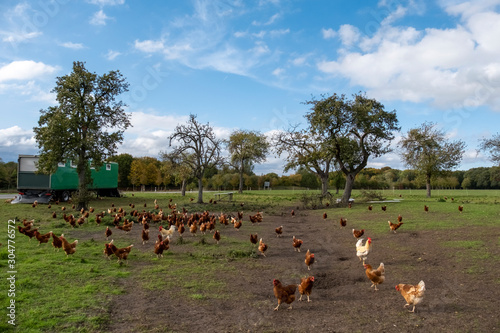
<point>492,146</point>
<point>199,140</point>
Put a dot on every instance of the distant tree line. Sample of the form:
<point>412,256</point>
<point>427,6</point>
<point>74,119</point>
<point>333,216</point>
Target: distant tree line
<point>149,173</point>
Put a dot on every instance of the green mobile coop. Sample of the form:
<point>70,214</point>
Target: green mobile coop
<point>59,185</point>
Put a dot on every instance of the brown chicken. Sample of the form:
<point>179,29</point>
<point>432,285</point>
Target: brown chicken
<point>161,246</point>
<point>108,232</point>
<point>293,213</point>
<point>413,294</point>
<point>460,208</point>
<point>68,247</point>
<point>181,229</point>
<point>262,247</point>
<point>42,238</point>
<point>384,208</point>
<point>296,244</point>
<point>145,236</point>
<point>279,231</point>
<point>426,208</point>
<point>56,241</point>
<point>343,222</point>
<point>394,226</point>
<point>358,233</point>
<point>27,231</point>
<point>370,207</point>
<point>309,259</point>
<point>376,276</point>
<point>305,287</point>
<point>325,215</point>
<point>284,294</point>
<point>253,239</point>
<point>216,236</point>
<point>108,252</point>
<point>400,218</point>
<point>193,229</point>
<point>121,253</point>
<point>236,223</point>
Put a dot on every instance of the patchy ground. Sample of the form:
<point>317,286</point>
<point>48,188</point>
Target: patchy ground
<point>462,287</point>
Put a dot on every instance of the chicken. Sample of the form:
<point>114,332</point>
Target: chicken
<point>362,251</point>
<point>125,226</point>
<point>284,294</point>
<point>400,218</point>
<point>166,232</point>
<point>161,246</point>
<point>460,208</point>
<point>27,231</point>
<point>193,228</point>
<point>42,238</point>
<point>413,294</point>
<point>343,222</point>
<point>262,247</point>
<point>108,232</point>
<point>325,215</point>
<point>384,208</point>
<point>370,207</point>
<point>121,253</point>
<point>376,276</point>
<point>358,233</point>
<point>279,231</point>
<point>349,204</point>
<point>253,239</point>
<point>54,215</point>
<point>56,241</point>
<point>426,208</point>
<point>68,247</point>
<point>305,287</point>
<point>181,229</point>
<point>145,236</point>
<point>296,244</point>
<point>309,259</point>
<point>107,250</point>
<point>237,224</point>
<point>216,236</point>
<point>394,226</point>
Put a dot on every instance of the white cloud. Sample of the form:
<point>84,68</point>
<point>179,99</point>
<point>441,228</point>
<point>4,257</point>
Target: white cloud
<point>271,20</point>
<point>111,55</point>
<point>453,68</point>
<point>24,70</point>
<point>328,33</point>
<point>348,34</point>
<point>16,139</point>
<point>149,46</point>
<point>99,18</point>
<point>278,71</point>
<point>16,37</point>
<point>107,2</point>
<point>73,46</point>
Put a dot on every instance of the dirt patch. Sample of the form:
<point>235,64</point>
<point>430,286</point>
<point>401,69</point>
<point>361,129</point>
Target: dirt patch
<point>461,295</point>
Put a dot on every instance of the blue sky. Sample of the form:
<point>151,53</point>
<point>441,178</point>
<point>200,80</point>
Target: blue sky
<point>250,64</point>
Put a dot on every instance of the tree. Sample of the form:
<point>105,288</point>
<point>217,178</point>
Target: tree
<point>427,150</point>
<point>178,166</point>
<point>246,148</point>
<point>307,149</point>
<point>492,146</point>
<point>352,131</point>
<point>124,163</point>
<point>200,141</point>
<point>87,125</point>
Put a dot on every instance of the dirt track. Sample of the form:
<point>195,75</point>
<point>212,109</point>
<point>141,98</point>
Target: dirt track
<point>461,293</point>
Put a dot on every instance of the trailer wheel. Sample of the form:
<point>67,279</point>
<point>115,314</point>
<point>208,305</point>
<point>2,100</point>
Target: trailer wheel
<point>65,196</point>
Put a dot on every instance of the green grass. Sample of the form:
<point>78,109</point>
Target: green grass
<point>73,294</point>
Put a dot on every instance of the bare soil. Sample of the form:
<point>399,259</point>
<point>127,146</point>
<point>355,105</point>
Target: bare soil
<point>461,296</point>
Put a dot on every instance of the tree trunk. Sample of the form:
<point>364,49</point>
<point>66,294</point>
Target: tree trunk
<point>324,184</point>
<point>428,185</point>
<point>349,182</point>
<point>240,189</point>
<point>82,190</point>
<point>200,190</point>
<point>183,188</point>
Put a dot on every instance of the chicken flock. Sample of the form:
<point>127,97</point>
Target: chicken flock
<point>180,221</point>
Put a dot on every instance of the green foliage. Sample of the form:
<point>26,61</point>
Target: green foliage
<point>371,195</point>
<point>86,126</point>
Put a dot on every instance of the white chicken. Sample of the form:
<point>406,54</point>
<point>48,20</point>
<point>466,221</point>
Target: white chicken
<point>166,232</point>
<point>363,250</point>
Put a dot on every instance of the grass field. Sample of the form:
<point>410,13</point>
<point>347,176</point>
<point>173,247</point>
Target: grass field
<point>74,293</point>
